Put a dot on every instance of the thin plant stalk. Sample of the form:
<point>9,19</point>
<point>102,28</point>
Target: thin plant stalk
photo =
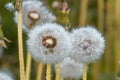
<point>83,12</point>
<point>28,66</point>
<point>109,36</point>
<point>48,74</point>
<point>39,71</point>
<point>62,78</point>
<point>117,39</point>
<point>85,71</point>
<point>20,46</point>
<point>97,66</point>
<point>64,19</point>
<point>58,72</point>
<point>82,21</point>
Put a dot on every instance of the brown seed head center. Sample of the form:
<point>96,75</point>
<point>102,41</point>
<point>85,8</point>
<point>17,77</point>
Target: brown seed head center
<point>85,44</point>
<point>34,15</point>
<point>49,41</point>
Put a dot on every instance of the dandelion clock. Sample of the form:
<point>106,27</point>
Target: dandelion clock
<point>88,44</point>
<point>34,13</point>
<point>4,76</point>
<point>49,43</point>
<point>71,70</point>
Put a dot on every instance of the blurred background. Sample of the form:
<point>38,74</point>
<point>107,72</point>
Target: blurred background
<point>103,14</point>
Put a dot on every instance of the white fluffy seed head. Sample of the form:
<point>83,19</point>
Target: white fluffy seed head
<point>70,69</point>
<point>40,51</point>
<point>88,44</point>
<point>34,13</point>
<point>4,76</point>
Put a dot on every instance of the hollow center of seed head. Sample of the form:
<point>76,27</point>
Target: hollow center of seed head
<point>85,44</point>
<point>49,41</point>
<point>34,15</point>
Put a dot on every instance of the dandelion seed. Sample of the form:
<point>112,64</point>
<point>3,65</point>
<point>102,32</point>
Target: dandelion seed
<point>70,69</point>
<point>49,43</point>
<point>10,6</point>
<point>88,44</point>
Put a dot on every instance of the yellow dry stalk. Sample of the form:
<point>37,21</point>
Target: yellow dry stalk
<point>28,66</point>
<point>62,78</point>
<point>20,39</point>
<point>58,72</point>
<point>40,71</point>
<point>48,76</point>
<point>83,12</point>
<point>85,72</point>
<point>63,18</point>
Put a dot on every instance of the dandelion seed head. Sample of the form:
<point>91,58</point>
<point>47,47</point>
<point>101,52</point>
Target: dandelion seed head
<point>45,15</point>
<point>88,44</point>
<point>49,43</point>
<point>34,13</point>
<point>70,69</point>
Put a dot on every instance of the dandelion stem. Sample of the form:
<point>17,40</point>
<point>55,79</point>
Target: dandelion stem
<point>58,72</point>
<point>83,12</point>
<point>62,78</point>
<point>48,76</point>
<point>20,46</point>
<point>85,72</point>
<point>116,34</point>
<point>40,70</point>
<point>28,66</point>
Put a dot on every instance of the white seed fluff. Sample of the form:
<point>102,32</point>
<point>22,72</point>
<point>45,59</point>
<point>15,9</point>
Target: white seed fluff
<point>38,51</point>
<point>37,6</point>
<point>70,69</point>
<point>88,44</point>
<point>9,6</point>
<point>4,76</point>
